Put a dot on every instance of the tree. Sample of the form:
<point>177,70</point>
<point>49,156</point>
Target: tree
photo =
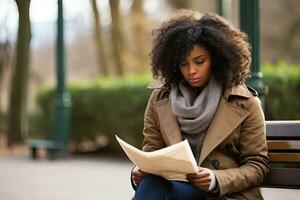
<point>5,51</point>
<point>101,53</point>
<point>117,39</point>
<point>4,56</point>
<point>18,93</point>
<point>139,25</point>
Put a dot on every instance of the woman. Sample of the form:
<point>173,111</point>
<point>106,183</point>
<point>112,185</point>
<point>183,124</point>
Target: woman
<point>202,64</point>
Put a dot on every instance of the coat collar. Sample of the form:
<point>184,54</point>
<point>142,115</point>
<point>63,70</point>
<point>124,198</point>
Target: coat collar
<point>156,84</point>
<point>238,90</point>
<point>225,120</point>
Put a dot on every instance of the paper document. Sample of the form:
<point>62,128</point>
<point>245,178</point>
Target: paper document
<point>172,162</point>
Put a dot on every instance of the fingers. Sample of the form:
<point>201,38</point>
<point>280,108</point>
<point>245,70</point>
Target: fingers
<point>202,184</point>
<point>201,179</point>
<point>202,173</point>
<point>138,175</point>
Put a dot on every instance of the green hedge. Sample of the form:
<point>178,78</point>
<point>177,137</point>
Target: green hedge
<point>103,107</point>
<point>283,100</point>
<point>116,106</point>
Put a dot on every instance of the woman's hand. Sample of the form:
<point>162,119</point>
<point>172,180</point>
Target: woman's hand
<point>137,175</point>
<point>204,179</point>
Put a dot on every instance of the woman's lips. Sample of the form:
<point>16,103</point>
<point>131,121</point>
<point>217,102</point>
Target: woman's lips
<point>195,80</point>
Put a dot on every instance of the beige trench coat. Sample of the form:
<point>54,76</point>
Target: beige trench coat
<point>234,147</point>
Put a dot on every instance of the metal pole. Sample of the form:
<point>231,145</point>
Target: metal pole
<point>62,97</point>
<point>220,7</point>
<point>224,8</point>
<point>249,23</point>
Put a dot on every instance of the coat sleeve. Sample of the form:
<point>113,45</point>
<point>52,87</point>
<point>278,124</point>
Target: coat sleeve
<point>153,139</point>
<point>253,158</point>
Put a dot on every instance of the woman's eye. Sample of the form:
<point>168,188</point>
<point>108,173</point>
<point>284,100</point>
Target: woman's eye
<point>199,62</point>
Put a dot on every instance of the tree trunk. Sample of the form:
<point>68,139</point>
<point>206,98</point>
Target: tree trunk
<point>139,26</point>
<point>117,40</point>
<point>101,55</point>
<point>178,4</point>
<point>18,93</point>
<point>4,56</point>
<point>5,50</point>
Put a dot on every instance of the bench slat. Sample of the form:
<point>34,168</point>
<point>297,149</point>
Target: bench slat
<point>284,157</point>
<point>283,129</point>
<point>283,177</point>
<point>293,145</point>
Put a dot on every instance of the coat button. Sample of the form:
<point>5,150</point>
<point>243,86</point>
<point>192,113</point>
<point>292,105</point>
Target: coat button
<point>215,164</point>
<point>228,146</point>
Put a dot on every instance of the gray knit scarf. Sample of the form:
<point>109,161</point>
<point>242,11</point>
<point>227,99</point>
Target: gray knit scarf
<point>194,110</point>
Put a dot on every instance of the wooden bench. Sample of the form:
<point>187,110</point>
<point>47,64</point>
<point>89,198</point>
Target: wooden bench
<point>283,139</point>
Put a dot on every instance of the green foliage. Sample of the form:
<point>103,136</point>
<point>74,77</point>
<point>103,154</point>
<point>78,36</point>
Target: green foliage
<point>102,107</point>
<point>38,126</point>
<point>282,102</point>
<point>41,122</point>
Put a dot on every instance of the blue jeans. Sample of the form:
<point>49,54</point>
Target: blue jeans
<point>154,187</point>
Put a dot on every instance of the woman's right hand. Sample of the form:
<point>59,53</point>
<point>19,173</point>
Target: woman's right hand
<point>137,175</point>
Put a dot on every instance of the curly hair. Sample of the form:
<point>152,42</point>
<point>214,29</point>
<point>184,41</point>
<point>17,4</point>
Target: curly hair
<point>229,47</point>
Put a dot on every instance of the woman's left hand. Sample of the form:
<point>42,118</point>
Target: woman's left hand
<point>201,180</point>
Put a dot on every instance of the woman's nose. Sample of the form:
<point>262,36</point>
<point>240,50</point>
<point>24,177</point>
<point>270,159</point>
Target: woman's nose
<point>192,69</point>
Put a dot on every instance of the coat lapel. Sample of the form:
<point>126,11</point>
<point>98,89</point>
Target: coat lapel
<point>226,119</point>
<point>170,128</point>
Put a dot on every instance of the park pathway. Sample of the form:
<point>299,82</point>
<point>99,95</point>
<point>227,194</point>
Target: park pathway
<point>76,178</point>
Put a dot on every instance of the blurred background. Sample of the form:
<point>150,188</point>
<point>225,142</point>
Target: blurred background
<point>107,67</point>
<point>106,48</point>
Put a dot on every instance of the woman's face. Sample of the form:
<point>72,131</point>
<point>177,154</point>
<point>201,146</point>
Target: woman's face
<point>197,66</point>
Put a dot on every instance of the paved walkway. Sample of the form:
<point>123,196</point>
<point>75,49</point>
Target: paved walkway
<point>77,178</point>
<point>72,179</point>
